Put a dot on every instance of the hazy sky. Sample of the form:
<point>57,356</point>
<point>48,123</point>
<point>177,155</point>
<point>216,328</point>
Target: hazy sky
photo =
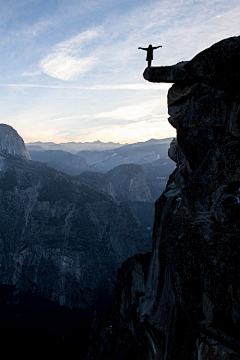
<point>71,69</point>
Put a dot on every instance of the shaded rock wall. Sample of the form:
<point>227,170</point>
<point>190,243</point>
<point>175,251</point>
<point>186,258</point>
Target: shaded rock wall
<point>195,270</point>
<point>191,306</point>
<point>118,335</point>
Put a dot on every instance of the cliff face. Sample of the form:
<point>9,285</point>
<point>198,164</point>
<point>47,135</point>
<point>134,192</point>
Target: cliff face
<point>118,335</point>
<point>194,273</point>
<point>191,306</point>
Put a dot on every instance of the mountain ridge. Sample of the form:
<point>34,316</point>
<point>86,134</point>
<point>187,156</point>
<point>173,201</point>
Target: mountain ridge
<point>72,147</point>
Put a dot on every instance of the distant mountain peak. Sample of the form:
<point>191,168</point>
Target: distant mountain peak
<point>11,142</point>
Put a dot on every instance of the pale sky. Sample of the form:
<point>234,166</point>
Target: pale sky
<point>71,69</point>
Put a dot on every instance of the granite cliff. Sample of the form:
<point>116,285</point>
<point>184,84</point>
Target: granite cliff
<point>186,305</point>
<point>11,142</point>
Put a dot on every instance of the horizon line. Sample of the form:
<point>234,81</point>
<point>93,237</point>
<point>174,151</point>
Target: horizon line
<point>92,142</point>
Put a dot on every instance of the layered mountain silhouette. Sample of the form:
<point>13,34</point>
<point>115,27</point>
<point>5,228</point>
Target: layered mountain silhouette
<point>55,155</point>
<point>138,180</point>
<point>61,241</point>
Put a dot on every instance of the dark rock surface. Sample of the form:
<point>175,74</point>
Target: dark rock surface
<point>191,306</point>
<point>167,74</point>
<point>118,335</point>
<point>195,263</point>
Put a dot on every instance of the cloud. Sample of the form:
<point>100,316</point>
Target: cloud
<point>66,62</point>
<point>128,133</point>
<point>73,44</point>
<point>145,110</point>
<point>31,73</point>
<point>34,30</point>
<point>66,67</point>
<point>69,118</point>
<point>137,86</point>
<point>126,113</point>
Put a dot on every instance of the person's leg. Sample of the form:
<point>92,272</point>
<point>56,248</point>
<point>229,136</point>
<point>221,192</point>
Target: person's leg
<point>149,63</point>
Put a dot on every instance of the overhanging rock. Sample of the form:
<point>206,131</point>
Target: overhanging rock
<point>218,66</point>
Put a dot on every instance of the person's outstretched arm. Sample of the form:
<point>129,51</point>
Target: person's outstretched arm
<point>143,48</point>
<point>156,47</point>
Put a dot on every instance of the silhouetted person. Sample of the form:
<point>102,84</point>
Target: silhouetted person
<point>149,50</point>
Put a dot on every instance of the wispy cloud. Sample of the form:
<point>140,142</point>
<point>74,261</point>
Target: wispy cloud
<point>65,62</point>
<point>34,30</point>
<point>66,67</point>
<point>137,86</point>
<point>128,132</point>
<point>144,110</point>
<point>70,118</point>
<point>31,73</point>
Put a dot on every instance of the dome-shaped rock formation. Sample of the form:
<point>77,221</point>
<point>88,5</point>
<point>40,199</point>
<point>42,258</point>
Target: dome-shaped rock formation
<point>11,142</point>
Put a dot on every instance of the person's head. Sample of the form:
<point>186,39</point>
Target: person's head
<point>150,45</point>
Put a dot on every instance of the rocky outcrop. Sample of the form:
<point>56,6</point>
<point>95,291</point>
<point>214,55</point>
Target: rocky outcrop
<point>168,74</point>
<point>11,142</point>
<point>191,306</point>
<point>213,66</point>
